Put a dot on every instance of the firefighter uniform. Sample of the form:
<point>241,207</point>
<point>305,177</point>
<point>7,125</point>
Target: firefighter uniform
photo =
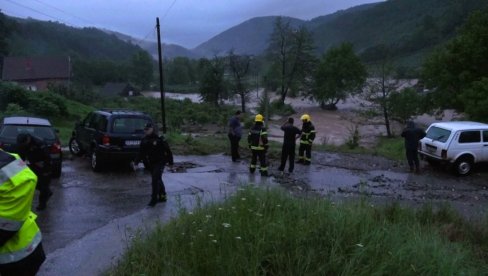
<point>258,143</point>
<point>306,140</point>
<point>21,251</point>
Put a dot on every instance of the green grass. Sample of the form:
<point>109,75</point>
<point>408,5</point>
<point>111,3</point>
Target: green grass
<point>392,148</point>
<point>258,232</point>
<point>184,144</point>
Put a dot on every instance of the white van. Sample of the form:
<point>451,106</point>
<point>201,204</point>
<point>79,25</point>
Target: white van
<point>461,144</point>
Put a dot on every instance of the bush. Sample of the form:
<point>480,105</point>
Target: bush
<point>275,108</point>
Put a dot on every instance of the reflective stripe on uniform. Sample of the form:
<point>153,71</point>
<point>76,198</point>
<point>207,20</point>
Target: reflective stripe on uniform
<point>252,166</point>
<point>11,169</point>
<point>10,225</point>
<point>23,252</point>
<point>257,148</point>
<point>263,169</point>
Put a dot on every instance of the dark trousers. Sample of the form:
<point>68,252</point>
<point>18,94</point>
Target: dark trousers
<point>287,152</point>
<point>27,266</point>
<point>234,146</point>
<point>305,153</point>
<point>157,183</point>
<point>412,158</point>
<point>44,190</point>
<point>261,155</point>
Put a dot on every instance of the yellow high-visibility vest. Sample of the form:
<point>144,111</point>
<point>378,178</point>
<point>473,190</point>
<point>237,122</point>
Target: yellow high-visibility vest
<point>17,187</point>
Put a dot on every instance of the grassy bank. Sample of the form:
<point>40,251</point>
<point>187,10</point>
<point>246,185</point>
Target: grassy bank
<point>259,232</point>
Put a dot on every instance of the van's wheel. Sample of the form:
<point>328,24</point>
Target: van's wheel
<point>74,147</point>
<point>463,166</point>
<point>96,162</point>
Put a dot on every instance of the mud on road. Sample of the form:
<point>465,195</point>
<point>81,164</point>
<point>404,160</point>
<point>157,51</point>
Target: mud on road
<point>338,175</point>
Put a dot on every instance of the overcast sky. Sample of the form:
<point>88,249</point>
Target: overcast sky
<point>184,22</point>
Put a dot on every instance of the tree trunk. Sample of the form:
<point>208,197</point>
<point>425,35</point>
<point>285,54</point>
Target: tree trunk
<point>243,102</point>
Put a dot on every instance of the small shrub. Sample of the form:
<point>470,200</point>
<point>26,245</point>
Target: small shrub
<point>354,137</point>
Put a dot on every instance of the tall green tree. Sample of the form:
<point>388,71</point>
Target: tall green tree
<point>239,69</point>
<point>340,73</point>
<point>142,71</point>
<point>181,71</point>
<point>452,71</point>
<point>5,31</point>
<point>291,52</point>
<point>213,87</point>
<point>404,104</point>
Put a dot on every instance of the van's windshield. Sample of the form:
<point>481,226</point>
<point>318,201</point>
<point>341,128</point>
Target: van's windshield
<point>438,134</point>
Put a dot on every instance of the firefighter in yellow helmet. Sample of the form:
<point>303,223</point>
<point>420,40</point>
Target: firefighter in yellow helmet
<point>258,143</point>
<point>21,251</point>
<point>306,140</point>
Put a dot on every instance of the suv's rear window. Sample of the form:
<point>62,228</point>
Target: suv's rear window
<point>438,134</point>
<point>44,132</point>
<point>129,125</point>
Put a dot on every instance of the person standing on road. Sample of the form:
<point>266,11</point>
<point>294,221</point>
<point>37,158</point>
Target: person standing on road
<point>291,134</point>
<point>235,134</point>
<point>36,154</point>
<point>412,135</point>
<point>258,143</point>
<point>21,251</point>
<point>155,150</point>
<point>306,140</point>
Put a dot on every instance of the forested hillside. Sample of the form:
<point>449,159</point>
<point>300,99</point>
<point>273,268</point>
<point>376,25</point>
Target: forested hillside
<point>408,29</point>
<point>34,37</point>
<point>250,37</point>
<point>405,27</point>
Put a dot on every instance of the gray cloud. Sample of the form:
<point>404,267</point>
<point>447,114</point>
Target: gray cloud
<point>187,22</point>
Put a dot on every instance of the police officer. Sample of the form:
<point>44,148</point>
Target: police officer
<point>291,133</point>
<point>155,150</point>
<point>306,140</point>
<point>258,143</point>
<point>36,154</point>
<point>21,251</point>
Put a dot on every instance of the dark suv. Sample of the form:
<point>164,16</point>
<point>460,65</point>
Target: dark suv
<point>41,128</point>
<point>109,136</point>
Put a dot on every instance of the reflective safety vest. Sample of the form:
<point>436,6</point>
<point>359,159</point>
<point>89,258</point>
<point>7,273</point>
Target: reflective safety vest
<point>258,138</point>
<point>17,187</point>
<point>308,134</point>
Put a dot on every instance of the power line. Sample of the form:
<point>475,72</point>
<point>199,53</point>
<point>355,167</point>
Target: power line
<point>167,11</point>
<point>34,10</point>
<point>65,12</point>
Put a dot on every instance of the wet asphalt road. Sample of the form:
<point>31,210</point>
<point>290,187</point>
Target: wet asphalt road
<point>92,217</point>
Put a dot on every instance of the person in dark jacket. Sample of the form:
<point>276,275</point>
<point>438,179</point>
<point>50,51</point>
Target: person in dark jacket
<point>306,140</point>
<point>258,143</point>
<point>235,134</point>
<point>35,153</point>
<point>412,135</point>
<point>291,134</point>
<point>155,150</point>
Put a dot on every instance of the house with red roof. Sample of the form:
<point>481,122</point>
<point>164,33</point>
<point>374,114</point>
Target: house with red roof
<point>36,73</point>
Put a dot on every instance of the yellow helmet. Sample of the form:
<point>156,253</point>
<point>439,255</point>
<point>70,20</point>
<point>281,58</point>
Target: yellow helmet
<point>259,118</point>
<point>305,118</point>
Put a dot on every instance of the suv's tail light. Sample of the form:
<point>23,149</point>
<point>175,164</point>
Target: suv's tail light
<point>444,154</point>
<point>106,140</point>
<point>55,148</point>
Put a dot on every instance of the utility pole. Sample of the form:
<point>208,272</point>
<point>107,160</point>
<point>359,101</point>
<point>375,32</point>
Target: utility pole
<point>161,82</point>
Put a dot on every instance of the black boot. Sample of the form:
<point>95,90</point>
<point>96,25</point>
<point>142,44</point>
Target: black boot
<point>162,198</point>
<point>152,203</point>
